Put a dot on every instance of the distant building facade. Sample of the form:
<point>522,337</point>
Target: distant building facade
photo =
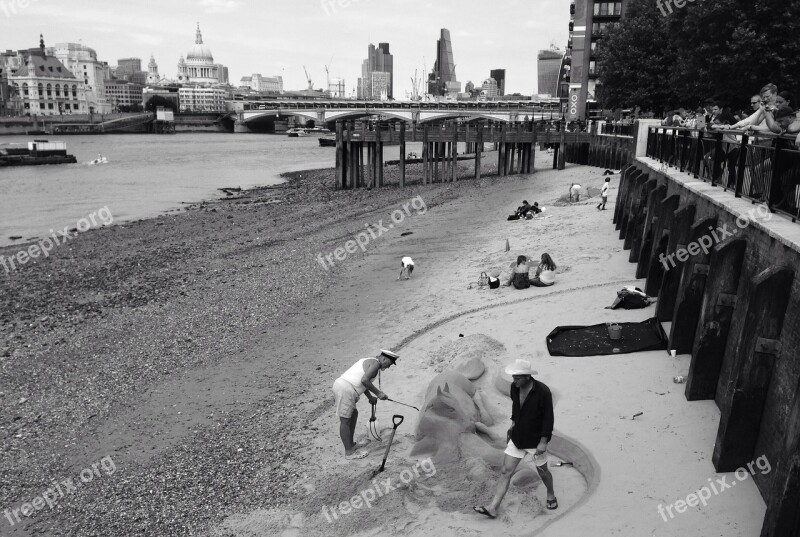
<point>336,88</point>
<point>202,99</point>
<point>83,63</point>
<point>262,83</point>
<point>548,64</point>
<point>124,93</point>
<point>489,89</point>
<point>45,86</point>
<point>127,66</point>
<point>442,80</point>
<point>500,77</point>
<point>589,22</point>
<point>377,74</point>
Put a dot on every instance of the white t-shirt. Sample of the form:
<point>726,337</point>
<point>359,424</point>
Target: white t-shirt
<point>407,261</point>
<point>576,188</point>
<point>605,189</point>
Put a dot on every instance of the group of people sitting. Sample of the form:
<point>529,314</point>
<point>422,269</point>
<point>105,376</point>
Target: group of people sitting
<point>526,210</point>
<point>545,273</point>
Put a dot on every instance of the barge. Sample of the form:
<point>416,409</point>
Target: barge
<point>38,152</point>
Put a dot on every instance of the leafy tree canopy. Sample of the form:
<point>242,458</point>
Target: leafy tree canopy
<point>723,49</point>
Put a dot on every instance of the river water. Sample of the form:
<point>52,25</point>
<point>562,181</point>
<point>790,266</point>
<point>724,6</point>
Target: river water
<point>146,175</point>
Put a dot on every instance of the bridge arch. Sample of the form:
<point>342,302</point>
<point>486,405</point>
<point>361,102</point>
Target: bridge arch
<point>305,114</point>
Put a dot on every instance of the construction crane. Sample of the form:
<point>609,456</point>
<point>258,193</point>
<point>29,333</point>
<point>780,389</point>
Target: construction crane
<point>310,84</point>
<point>328,75</point>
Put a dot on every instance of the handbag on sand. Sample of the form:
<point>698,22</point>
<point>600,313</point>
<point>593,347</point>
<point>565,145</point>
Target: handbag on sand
<point>483,280</point>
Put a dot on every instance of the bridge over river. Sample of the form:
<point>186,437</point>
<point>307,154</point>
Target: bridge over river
<point>246,113</point>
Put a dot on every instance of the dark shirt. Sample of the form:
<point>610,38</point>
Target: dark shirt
<point>535,419</point>
<point>520,280</point>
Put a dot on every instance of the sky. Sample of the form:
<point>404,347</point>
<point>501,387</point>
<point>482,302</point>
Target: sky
<point>280,37</point>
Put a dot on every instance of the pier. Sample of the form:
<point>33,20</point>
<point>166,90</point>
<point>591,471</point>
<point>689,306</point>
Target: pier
<point>515,143</point>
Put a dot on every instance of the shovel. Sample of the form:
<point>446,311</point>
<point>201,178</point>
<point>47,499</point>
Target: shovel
<point>397,419</point>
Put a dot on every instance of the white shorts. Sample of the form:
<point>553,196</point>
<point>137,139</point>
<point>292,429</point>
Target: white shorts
<point>514,451</point>
<point>346,398</point>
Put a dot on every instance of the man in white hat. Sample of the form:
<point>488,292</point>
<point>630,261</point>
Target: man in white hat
<point>531,430</point>
<point>348,388</point>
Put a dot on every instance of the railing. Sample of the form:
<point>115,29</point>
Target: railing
<point>762,167</point>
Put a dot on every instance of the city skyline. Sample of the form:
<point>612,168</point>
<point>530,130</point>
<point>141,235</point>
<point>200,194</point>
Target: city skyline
<point>249,38</point>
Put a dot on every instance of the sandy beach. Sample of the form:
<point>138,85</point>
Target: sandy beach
<point>197,351</point>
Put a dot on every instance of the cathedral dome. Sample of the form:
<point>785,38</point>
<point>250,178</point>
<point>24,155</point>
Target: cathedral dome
<point>200,52</point>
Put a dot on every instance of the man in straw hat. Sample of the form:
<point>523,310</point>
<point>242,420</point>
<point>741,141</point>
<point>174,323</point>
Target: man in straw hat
<point>531,430</point>
<point>348,388</point>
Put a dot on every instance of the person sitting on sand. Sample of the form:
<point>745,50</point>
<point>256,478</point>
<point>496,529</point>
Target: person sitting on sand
<point>348,388</point>
<point>519,277</point>
<point>531,430</point>
<point>407,265</point>
<point>523,209</point>
<point>545,273</point>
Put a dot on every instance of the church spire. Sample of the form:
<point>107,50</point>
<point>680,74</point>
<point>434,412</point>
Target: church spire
<point>199,37</point>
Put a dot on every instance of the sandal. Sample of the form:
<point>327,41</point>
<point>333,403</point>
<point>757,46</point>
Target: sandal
<point>552,504</point>
<point>482,510</point>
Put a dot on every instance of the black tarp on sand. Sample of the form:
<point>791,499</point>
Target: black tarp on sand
<point>594,341</point>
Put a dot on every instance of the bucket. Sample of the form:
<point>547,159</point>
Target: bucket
<point>614,331</point>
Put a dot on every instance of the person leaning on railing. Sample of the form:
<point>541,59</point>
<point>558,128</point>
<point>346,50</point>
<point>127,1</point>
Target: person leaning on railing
<point>781,117</point>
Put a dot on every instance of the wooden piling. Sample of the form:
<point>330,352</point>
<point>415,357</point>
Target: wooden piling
<point>719,303</point>
<point>402,154</point>
<point>756,349</point>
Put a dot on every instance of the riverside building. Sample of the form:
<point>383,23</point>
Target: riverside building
<point>83,63</point>
<point>589,21</point>
<point>45,86</point>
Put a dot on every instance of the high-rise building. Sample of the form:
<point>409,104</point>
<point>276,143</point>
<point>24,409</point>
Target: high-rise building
<point>377,73</point>
<point>548,64</point>
<point>500,76</point>
<point>127,66</point>
<point>442,80</point>
<point>589,21</point>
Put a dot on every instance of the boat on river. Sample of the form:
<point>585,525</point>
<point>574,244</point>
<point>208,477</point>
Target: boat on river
<point>36,153</point>
<point>297,132</point>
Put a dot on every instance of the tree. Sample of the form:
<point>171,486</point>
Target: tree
<point>726,49</point>
<point>157,100</point>
<point>635,59</point>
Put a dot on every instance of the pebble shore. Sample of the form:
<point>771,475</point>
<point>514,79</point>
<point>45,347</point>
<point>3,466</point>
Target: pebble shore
<point>90,335</point>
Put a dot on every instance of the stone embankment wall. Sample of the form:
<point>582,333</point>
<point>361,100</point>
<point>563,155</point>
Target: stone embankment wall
<point>726,274</point>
